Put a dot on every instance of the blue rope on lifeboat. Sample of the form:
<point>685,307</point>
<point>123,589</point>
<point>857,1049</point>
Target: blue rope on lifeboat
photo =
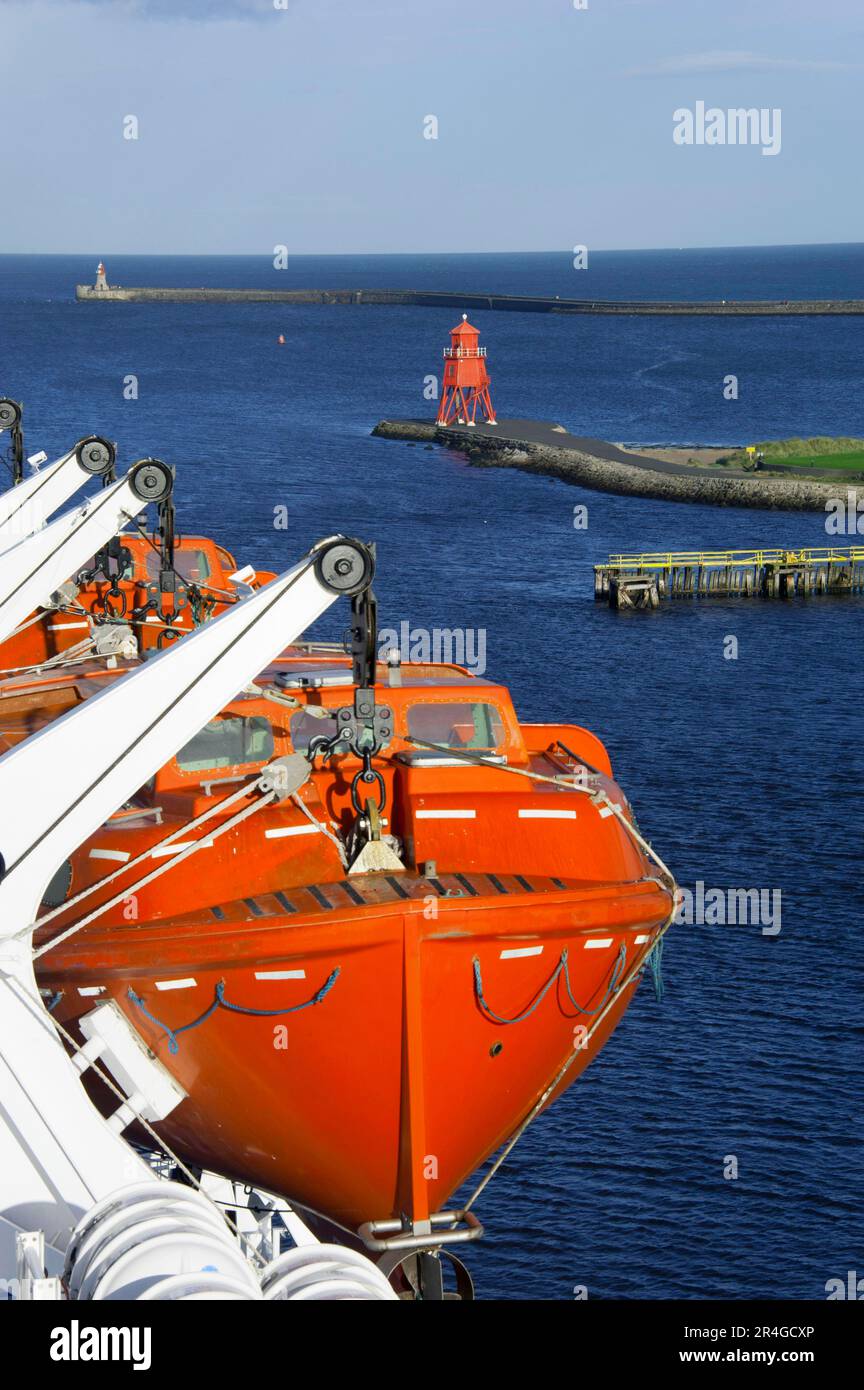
<point>562,968</point>
<point>220,1002</point>
<point>655,960</point>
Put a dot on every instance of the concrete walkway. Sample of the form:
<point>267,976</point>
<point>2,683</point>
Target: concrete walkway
<point>549,435</point>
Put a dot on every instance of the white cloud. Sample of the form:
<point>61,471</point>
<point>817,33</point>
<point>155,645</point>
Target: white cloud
<point>203,11</point>
<point>697,64</point>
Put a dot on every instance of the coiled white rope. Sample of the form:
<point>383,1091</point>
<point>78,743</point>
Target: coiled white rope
<point>324,1273</point>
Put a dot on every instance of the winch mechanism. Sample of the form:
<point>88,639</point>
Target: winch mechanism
<point>10,419</point>
<point>364,728</point>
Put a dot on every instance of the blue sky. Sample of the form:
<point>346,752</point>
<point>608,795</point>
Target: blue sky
<point>304,126</point>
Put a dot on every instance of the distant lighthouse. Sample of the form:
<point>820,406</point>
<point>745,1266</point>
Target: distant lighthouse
<point>466,379</point>
<point>101,278</point>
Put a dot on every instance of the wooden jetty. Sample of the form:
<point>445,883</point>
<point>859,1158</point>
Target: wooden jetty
<point>641,581</point>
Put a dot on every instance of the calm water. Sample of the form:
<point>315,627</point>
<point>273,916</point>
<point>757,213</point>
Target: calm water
<point>744,773</point>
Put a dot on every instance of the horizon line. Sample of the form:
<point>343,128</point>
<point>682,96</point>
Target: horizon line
<point>323,255</point>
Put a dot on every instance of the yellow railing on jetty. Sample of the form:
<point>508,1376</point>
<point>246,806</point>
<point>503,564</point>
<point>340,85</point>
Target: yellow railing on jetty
<point>674,559</point>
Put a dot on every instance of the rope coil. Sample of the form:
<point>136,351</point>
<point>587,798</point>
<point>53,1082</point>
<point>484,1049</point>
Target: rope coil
<point>220,1002</point>
<point>562,968</point>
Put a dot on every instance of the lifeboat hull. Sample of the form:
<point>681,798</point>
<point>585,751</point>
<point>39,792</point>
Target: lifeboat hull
<point>363,1046</point>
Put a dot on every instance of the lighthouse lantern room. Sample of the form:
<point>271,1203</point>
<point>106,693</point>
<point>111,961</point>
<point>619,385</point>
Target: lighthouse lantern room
<point>466,379</point>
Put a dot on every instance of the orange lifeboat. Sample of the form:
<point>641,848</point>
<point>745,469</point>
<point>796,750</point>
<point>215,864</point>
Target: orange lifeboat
<point>133,581</point>
<point>370,984</point>
<point>370,922</point>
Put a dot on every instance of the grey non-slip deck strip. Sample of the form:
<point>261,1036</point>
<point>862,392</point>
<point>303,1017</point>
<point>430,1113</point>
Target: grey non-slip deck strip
<point>467,885</point>
<point>472,885</point>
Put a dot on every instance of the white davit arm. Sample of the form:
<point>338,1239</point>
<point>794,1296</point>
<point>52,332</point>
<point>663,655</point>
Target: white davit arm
<point>57,1155</point>
<point>32,570</point>
<point>25,508</point>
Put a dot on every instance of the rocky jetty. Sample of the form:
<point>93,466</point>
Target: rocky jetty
<point>603,467</point>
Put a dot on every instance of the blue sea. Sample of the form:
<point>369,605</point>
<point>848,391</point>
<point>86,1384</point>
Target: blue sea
<point>745,773</point>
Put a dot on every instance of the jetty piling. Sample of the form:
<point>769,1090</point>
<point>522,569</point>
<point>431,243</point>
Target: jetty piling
<point>642,580</point>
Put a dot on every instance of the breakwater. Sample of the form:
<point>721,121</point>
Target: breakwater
<point>440,299</point>
<point>540,447</point>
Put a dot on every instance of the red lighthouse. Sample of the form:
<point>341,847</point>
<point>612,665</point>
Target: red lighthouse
<point>466,380</point>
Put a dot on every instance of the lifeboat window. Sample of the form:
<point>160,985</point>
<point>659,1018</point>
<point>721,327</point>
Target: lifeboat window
<point>227,743</point>
<point>58,889</point>
<point>457,725</point>
<point>191,565</point>
<point>305,727</point>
